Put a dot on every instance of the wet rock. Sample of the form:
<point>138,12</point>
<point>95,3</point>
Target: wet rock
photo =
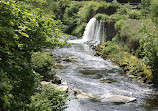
<point>56,80</point>
<point>61,87</point>
<point>80,94</point>
<point>64,83</point>
<point>61,59</point>
<point>118,99</point>
<point>45,83</point>
<point>107,80</point>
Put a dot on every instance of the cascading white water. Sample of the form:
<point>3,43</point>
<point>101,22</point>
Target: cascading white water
<point>90,30</point>
<point>94,33</point>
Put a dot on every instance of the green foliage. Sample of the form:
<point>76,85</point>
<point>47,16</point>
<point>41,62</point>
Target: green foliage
<point>110,48</point>
<point>118,17</point>
<point>80,30</point>
<point>87,12</point>
<point>151,52</point>
<point>5,88</point>
<point>128,34</point>
<point>70,17</point>
<point>124,9</point>
<point>154,8</point>
<point>54,8</point>
<point>135,14</point>
<point>145,7</point>
<point>43,63</point>
<point>48,99</point>
<point>120,24</point>
<point>102,17</point>
<point>22,32</point>
<point>145,3</point>
<point>151,49</point>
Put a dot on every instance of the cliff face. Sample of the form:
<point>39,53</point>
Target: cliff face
<point>110,30</point>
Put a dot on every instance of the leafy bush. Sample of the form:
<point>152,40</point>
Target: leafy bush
<point>120,25</point>
<point>22,32</point>
<point>48,99</point>
<point>43,63</point>
<point>151,52</point>
<point>154,8</point>
<point>145,3</point>
<point>102,17</point>
<point>70,17</point>
<point>80,30</point>
<point>110,48</point>
<point>135,14</point>
<point>129,34</point>
<point>87,12</point>
<point>118,17</point>
<point>124,9</point>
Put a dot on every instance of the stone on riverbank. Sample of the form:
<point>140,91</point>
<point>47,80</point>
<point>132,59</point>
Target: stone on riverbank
<point>56,80</point>
<point>80,94</point>
<point>62,87</point>
<point>118,99</point>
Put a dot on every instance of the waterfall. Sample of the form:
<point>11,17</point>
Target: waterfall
<point>94,33</point>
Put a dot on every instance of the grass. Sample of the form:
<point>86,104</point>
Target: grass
<point>131,64</point>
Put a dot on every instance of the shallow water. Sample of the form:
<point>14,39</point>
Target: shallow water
<point>86,74</point>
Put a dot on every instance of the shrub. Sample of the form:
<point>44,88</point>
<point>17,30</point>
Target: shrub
<point>135,14</point>
<point>102,17</point>
<point>129,34</point>
<point>124,9</point>
<point>110,48</point>
<point>120,24</point>
<point>48,99</point>
<point>80,30</point>
<point>43,63</point>
<point>118,17</point>
<point>70,17</point>
<point>87,12</point>
<point>154,8</point>
<point>145,3</point>
<point>151,53</point>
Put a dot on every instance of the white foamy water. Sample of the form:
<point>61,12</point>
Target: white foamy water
<point>94,33</point>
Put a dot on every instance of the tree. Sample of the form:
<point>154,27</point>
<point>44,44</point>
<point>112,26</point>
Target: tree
<point>22,32</point>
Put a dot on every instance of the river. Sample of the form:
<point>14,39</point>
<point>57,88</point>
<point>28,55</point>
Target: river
<point>85,73</point>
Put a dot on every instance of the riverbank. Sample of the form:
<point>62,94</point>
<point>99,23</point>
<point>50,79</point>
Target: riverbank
<point>132,66</point>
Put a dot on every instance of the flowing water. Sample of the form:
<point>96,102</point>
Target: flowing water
<point>86,71</point>
<point>94,33</point>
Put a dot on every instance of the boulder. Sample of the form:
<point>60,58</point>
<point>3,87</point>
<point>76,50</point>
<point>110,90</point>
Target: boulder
<point>118,99</point>
<point>107,80</point>
<point>61,87</point>
<point>80,94</point>
<point>45,83</point>
<point>56,80</point>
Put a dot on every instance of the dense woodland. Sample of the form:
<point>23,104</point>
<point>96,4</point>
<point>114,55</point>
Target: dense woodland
<point>28,27</point>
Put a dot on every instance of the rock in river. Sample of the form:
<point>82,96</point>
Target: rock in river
<point>56,80</point>
<point>119,99</point>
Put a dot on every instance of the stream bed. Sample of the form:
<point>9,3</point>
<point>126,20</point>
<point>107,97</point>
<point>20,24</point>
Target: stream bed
<point>102,78</point>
